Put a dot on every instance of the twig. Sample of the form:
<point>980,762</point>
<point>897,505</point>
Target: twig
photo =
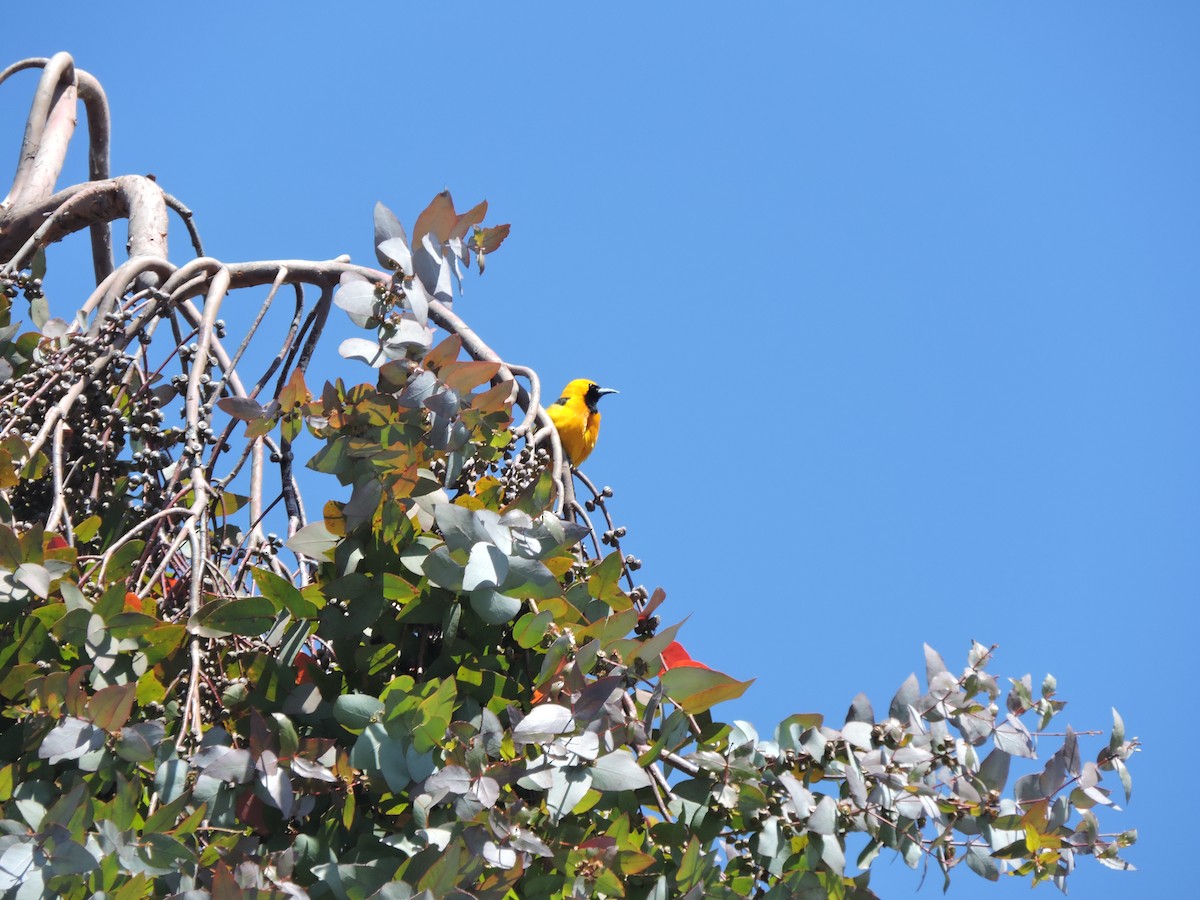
<point>187,215</point>
<point>60,500</point>
<point>534,398</point>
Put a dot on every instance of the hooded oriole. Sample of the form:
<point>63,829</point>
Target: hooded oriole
<point>574,415</point>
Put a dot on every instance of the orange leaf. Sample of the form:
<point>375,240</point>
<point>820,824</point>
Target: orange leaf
<point>463,376</point>
<point>295,392</point>
<point>444,353</point>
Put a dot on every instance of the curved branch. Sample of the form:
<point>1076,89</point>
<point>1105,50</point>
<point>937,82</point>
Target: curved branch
<point>132,197</point>
<point>56,69</point>
<point>187,215</point>
<point>95,103</point>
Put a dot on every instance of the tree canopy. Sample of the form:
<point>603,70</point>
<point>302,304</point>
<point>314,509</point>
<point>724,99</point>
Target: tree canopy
<point>448,683</point>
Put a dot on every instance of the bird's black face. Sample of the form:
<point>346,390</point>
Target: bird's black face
<point>594,393</point>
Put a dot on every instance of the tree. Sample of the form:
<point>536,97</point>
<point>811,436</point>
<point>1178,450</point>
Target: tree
<point>447,684</point>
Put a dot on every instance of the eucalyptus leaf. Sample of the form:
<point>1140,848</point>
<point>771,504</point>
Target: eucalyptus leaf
<point>494,608</point>
<point>71,738</point>
<point>618,771</point>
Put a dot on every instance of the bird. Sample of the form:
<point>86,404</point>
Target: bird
<point>574,415</point>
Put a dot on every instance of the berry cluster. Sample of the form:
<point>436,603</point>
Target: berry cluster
<point>85,378</point>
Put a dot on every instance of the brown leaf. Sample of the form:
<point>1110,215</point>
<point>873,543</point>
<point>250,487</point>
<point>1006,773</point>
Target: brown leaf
<point>470,218</point>
<point>438,218</point>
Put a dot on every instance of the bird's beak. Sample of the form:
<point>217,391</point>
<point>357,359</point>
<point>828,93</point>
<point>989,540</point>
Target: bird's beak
<point>600,392</point>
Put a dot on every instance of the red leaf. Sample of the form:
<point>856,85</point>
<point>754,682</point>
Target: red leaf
<point>675,657</point>
<point>652,604</point>
<point>250,811</point>
<point>305,666</point>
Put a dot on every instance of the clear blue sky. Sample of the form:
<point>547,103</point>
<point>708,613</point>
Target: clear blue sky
<point>901,300</point>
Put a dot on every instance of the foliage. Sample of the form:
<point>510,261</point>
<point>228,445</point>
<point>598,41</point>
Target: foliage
<point>447,691</point>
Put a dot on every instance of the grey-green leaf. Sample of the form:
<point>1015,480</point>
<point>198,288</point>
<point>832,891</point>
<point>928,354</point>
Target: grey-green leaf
<point>387,227</point>
<point>860,710</point>
<point>486,567</point>
<point>70,739</point>
<point>394,254</point>
<point>494,608</point>
<point>545,722</point>
<point>357,298</point>
<point>355,711</point>
<point>824,818</point>
<point>908,695</point>
<point>618,771</point>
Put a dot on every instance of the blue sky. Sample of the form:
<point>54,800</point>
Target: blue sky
<point>900,299</point>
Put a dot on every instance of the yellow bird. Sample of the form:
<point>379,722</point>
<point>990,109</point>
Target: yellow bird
<point>574,415</point>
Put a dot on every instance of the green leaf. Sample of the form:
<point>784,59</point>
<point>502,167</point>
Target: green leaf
<point>441,569</point>
<point>313,540</point>
<point>247,616</point>
<point>1117,739</point>
<point>652,648</point>
<point>529,630</point>
<point>1049,686</point>
<point>358,299</point>
<point>123,560</point>
<point>530,578</point>
<point>39,311</point>
<point>1015,850</point>
<point>1126,778</point>
<point>434,714</point>
<point>130,624</point>
<point>86,530</point>
<point>613,628</point>
<point>618,771</point>
<point>696,690</point>
<point>110,707</point>
<point>536,498</point>
<point>355,711</point>
<point>165,817</point>
<point>993,771</point>
<point>604,575</point>
<point>569,785</point>
<point>545,722</point>
<point>283,594</point>
<point>235,766</point>
<point>138,743</point>
<point>691,866</point>
<point>494,608</point>
<point>487,567</point>
<point>979,862</point>
<point>241,408</point>
<point>161,641</point>
<point>34,577</point>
